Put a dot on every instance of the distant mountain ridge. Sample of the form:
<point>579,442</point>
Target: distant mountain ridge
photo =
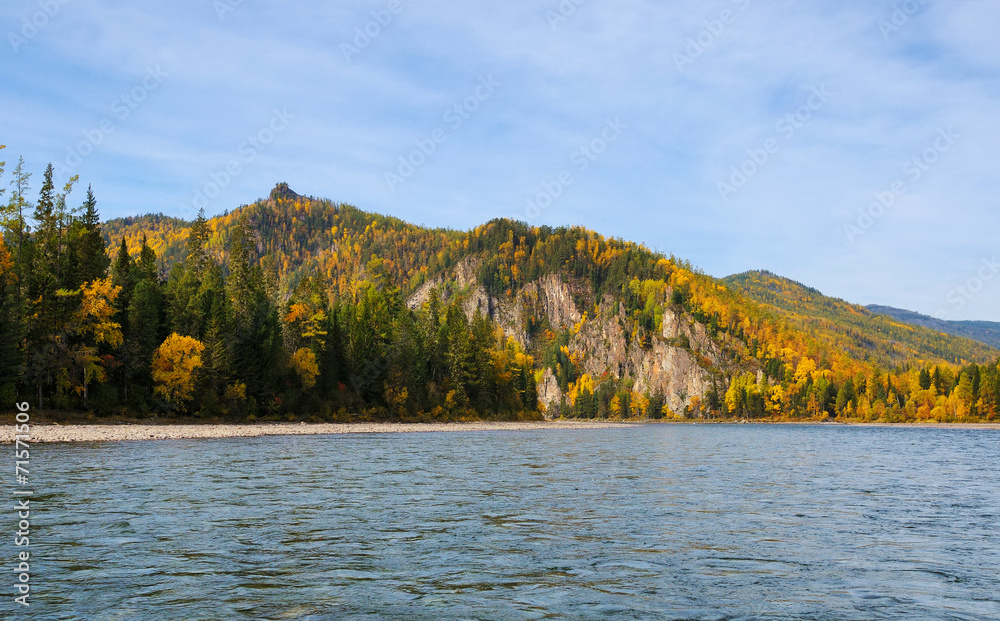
<point>987,332</point>
<point>861,332</point>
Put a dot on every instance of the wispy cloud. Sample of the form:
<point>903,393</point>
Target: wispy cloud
<point>355,116</point>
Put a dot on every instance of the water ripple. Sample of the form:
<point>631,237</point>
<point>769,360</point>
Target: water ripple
<point>658,522</point>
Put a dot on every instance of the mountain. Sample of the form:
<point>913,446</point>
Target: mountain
<point>607,327</point>
<point>987,332</point>
<point>863,333</point>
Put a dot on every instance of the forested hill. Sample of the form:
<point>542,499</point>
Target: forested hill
<point>865,334</point>
<point>297,236</point>
<point>983,331</point>
<point>298,306</point>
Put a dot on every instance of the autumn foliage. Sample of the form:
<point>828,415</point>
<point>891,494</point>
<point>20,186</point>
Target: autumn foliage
<point>298,306</point>
<point>175,365</point>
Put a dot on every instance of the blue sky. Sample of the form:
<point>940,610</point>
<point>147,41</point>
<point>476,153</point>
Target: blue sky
<point>849,145</point>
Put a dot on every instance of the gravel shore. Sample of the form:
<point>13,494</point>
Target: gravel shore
<point>105,433</point>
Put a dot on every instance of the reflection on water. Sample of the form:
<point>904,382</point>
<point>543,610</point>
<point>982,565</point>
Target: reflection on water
<point>672,522</point>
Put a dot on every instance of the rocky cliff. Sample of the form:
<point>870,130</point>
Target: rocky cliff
<point>681,362</point>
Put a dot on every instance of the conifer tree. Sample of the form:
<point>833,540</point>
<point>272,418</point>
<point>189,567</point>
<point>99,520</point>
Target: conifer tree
<point>92,260</point>
<point>146,263</point>
<point>123,275</point>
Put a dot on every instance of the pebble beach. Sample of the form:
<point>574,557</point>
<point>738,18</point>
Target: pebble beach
<point>106,433</point>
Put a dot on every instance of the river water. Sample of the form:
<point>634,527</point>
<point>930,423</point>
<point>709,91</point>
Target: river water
<point>647,522</point>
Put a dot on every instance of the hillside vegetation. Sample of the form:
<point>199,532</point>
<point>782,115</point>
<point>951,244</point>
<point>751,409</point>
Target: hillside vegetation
<point>987,332</point>
<point>864,334</point>
<point>297,306</point>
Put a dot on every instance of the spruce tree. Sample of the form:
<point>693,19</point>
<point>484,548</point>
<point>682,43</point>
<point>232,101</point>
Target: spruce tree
<point>146,263</point>
<point>123,275</point>
<point>92,260</point>
<point>924,379</point>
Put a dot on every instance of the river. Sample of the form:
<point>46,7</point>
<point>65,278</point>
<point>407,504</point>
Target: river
<point>646,522</point>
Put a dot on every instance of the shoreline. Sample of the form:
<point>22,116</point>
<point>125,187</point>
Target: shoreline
<point>54,432</point>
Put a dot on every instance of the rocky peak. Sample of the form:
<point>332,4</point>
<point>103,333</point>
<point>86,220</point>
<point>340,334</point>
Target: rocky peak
<point>282,192</point>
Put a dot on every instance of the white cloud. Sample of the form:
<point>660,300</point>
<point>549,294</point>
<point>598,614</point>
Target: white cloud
<point>687,128</point>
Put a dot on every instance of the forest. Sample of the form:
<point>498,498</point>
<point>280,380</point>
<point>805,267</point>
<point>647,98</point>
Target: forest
<point>88,328</point>
<point>296,308</point>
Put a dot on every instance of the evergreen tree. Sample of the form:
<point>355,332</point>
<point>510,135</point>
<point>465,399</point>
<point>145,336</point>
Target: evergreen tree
<point>45,311</point>
<point>146,263</point>
<point>10,328</point>
<point>217,358</point>
<point>92,260</point>
<point>458,355</point>
<point>145,320</point>
<point>123,274</point>
<point>937,381</point>
<point>256,328</point>
<point>481,387</point>
<point>924,379</point>
<point>845,396</point>
<point>197,257</point>
<point>13,214</point>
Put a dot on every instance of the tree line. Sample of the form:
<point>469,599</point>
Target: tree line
<point>113,332</point>
<point>298,305</point>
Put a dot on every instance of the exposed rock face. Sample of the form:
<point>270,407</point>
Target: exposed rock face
<point>554,299</point>
<point>672,371</point>
<point>465,281</point>
<point>283,192</point>
<point>676,372</point>
<point>549,393</point>
<point>676,362</point>
<point>467,272</point>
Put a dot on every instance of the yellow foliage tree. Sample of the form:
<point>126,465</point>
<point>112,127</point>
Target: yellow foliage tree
<point>304,363</point>
<point>175,365</point>
<point>92,321</point>
<point>96,311</point>
<point>640,404</point>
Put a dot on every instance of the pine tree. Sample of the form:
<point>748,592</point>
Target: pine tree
<point>145,320</point>
<point>146,263</point>
<point>92,260</point>
<point>924,379</point>
<point>482,387</point>
<point>937,381</point>
<point>10,326</point>
<point>46,312</point>
<point>256,327</point>
<point>197,257</point>
<point>845,396</point>
<point>218,356</point>
<point>458,356</point>
<point>123,274</point>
